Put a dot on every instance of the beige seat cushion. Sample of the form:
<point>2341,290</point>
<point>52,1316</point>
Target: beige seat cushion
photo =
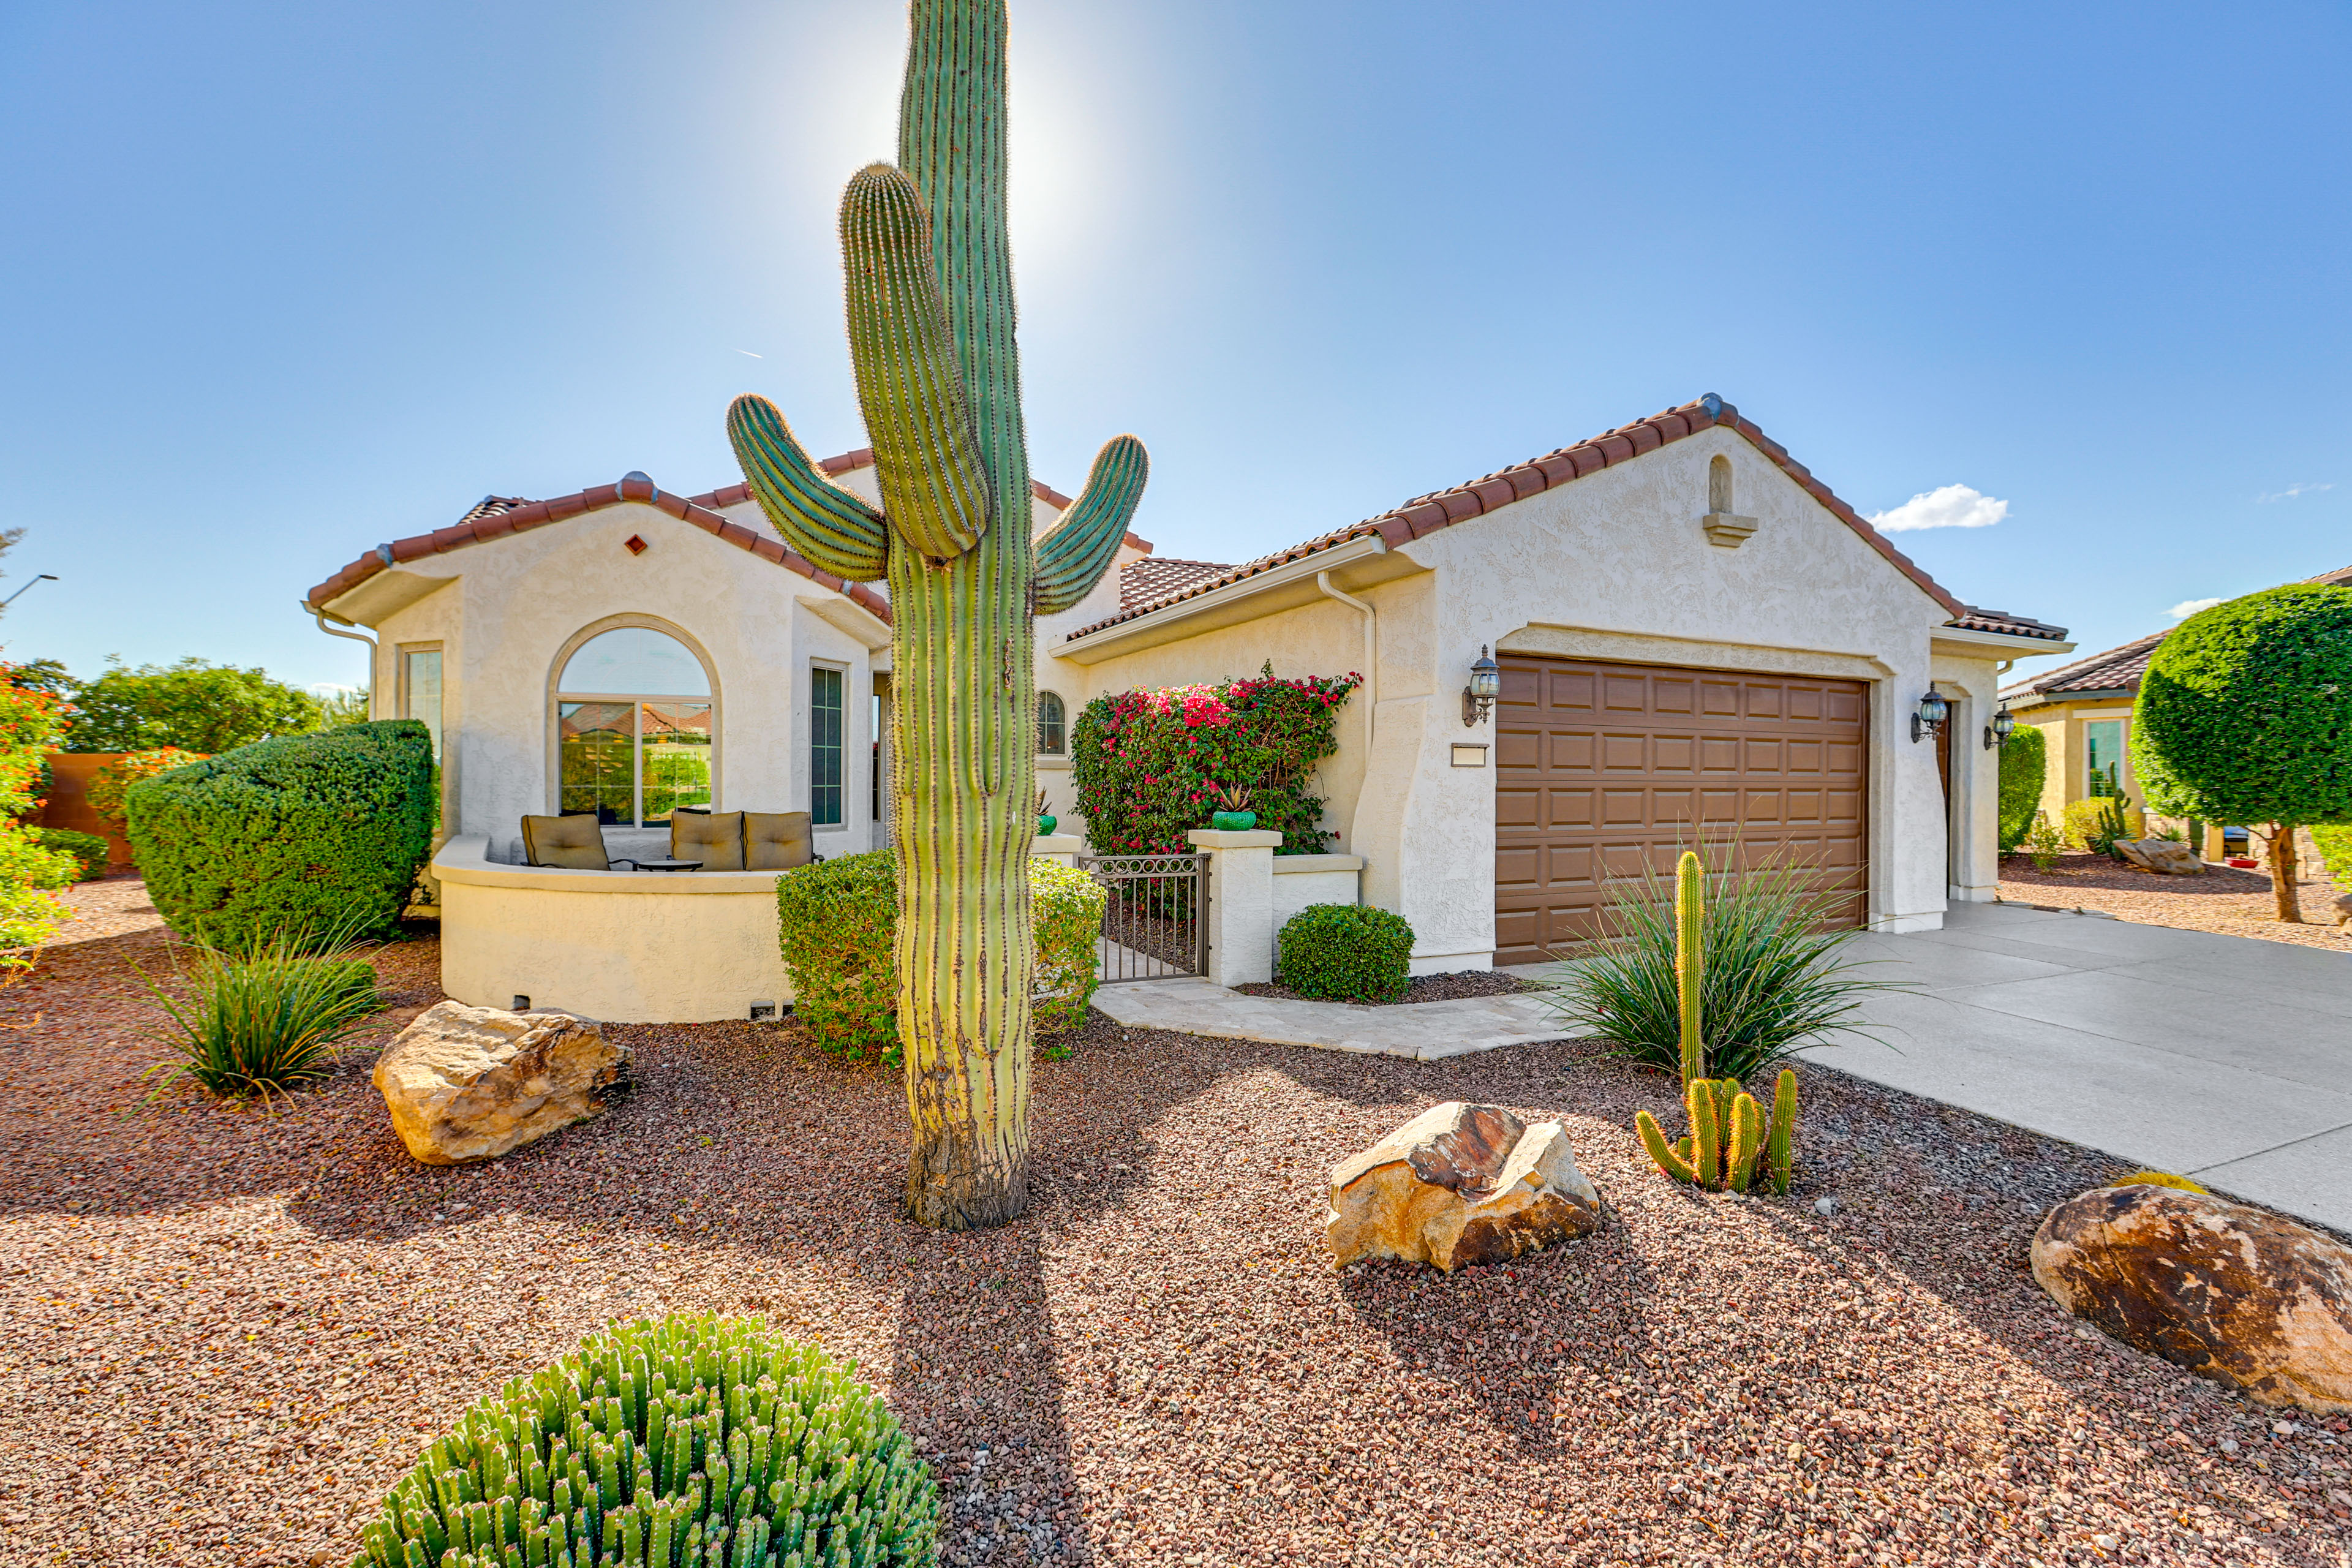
<point>776,840</point>
<point>715,838</point>
<point>574,843</point>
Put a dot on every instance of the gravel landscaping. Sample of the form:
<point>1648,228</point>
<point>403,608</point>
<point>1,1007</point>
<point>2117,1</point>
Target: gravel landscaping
<point>2224,898</point>
<point>231,1330</point>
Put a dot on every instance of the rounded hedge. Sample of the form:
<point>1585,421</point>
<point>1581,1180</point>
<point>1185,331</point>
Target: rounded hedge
<point>310,834</point>
<point>1346,953</point>
<point>89,852</point>
<point>838,922</point>
<point>2246,712</point>
<point>690,1442</point>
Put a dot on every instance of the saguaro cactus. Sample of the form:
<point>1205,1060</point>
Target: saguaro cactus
<point>1690,916</point>
<point>932,336</point>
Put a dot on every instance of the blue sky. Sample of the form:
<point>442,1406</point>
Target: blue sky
<point>286,280</point>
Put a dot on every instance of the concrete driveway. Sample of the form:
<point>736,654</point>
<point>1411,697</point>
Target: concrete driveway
<point>2222,1057</point>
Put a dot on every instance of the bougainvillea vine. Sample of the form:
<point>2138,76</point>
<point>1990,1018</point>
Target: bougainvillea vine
<point>1145,762</point>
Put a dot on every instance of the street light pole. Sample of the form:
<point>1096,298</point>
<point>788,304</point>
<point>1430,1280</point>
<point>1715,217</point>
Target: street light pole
<point>44,577</point>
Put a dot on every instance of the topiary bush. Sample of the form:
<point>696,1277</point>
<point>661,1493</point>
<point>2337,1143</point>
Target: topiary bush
<point>90,853</point>
<point>305,835</point>
<point>1345,953</point>
<point>838,924</point>
<point>690,1442</point>
<point>2024,768</point>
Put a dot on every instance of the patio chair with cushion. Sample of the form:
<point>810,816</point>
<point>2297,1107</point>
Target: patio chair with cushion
<point>777,840</point>
<point>714,838</point>
<point>574,843</point>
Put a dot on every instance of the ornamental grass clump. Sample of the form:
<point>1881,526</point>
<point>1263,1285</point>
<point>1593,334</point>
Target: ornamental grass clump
<point>1773,982</point>
<point>1346,953</point>
<point>689,1442</point>
<point>263,1021</point>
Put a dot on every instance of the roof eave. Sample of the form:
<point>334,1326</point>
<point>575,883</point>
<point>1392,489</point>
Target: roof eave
<point>1263,594</point>
<point>1970,640</point>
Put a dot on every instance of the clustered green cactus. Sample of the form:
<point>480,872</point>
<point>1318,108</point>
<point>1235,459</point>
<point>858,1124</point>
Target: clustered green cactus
<point>1729,1135</point>
<point>692,1442</point>
<point>1728,1129</point>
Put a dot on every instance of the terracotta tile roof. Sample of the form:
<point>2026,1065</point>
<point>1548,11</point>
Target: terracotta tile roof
<point>2006,625</point>
<point>1444,508</point>
<point>499,516</point>
<point>2120,669</point>
<point>1155,577</point>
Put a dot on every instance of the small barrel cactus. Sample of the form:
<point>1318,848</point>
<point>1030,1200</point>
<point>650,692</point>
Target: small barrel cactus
<point>693,1442</point>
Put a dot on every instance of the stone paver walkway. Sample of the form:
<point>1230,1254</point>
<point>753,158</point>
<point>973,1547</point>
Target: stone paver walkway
<point>2222,1057</point>
<point>1423,1030</point>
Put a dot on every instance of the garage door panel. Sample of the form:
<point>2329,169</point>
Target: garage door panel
<point>1605,772</point>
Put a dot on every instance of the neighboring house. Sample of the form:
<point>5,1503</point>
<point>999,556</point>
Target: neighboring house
<point>2083,710</point>
<point>1692,630</point>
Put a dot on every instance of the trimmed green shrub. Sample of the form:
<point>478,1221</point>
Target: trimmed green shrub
<point>1345,953</point>
<point>89,852</point>
<point>2245,716</point>
<point>1067,907</point>
<point>1773,982</point>
<point>1147,765</point>
<point>265,1021</point>
<point>690,1440</point>
<point>291,838</point>
<point>2024,768</point>
<point>838,924</point>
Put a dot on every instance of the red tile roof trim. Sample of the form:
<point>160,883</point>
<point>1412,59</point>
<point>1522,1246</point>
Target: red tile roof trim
<point>1426,514</point>
<point>520,515</point>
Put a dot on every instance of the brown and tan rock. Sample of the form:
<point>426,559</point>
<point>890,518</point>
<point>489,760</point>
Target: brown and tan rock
<point>2232,1293</point>
<point>1460,1183</point>
<point>2166,855</point>
<point>472,1083</point>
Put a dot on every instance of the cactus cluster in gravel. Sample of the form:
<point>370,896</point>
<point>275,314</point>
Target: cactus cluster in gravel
<point>231,1335</point>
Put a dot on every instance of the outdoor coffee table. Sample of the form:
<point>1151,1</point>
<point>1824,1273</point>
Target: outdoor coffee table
<point>669,865</point>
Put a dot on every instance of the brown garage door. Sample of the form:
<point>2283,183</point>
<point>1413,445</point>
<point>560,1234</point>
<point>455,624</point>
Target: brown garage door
<point>1602,769</point>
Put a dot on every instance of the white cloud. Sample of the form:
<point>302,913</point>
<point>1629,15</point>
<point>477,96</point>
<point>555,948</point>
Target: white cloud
<point>2187,607</point>
<point>2293,491</point>
<point>1953,506</point>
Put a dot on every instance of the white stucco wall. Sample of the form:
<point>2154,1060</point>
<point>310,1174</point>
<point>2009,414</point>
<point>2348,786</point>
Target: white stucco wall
<point>512,605</point>
<point>1613,566</point>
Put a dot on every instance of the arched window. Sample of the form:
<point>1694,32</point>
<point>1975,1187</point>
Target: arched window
<point>1051,731</point>
<point>1719,484</point>
<point>634,723</point>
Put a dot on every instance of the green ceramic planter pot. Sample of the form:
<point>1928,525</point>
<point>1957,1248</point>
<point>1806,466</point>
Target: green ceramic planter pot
<point>1045,825</point>
<point>1232,821</point>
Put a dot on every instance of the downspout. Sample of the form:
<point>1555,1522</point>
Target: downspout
<point>319,615</point>
<point>1372,656</point>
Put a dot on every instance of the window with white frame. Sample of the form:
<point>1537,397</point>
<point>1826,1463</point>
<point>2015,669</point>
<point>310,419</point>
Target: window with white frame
<point>635,726</point>
<point>1053,734</point>
<point>825,709</point>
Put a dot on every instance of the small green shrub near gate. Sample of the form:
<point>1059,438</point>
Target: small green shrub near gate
<point>306,834</point>
<point>2024,769</point>
<point>838,924</point>
<point>89,852</point>
<point>1346,953</point>
<point>700,1441</point>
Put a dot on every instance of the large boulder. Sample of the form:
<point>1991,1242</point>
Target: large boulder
<point>1460,1183</point>
<point>2232,1293</point>
<point>2168,856</point>
<point>472,1083</point>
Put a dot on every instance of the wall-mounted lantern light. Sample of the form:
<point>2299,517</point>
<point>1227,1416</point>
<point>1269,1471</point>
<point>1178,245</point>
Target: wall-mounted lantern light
<point>1997,733</point>
<point>1929,719</point>
<point>1486,685</point>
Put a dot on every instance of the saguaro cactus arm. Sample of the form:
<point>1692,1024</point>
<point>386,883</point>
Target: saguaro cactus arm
<point>935,487</point>
<point>824,522</point>
<point>1668,1157</point>
<point>1075,554</point>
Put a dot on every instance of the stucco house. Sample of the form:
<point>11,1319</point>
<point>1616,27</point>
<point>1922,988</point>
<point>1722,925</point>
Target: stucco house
<point>1692,629</point>
<point>2083,710</point>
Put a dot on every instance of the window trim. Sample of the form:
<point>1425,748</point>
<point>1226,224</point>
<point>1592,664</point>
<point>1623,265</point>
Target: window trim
<point>1038,722</point>
<point>552,790</point>
<point>842,747</point>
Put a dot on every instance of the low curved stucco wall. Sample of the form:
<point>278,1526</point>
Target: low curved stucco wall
<point>628,947</point>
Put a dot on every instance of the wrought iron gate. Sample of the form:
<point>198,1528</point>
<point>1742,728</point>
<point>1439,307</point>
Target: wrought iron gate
<point>1156,922</point>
